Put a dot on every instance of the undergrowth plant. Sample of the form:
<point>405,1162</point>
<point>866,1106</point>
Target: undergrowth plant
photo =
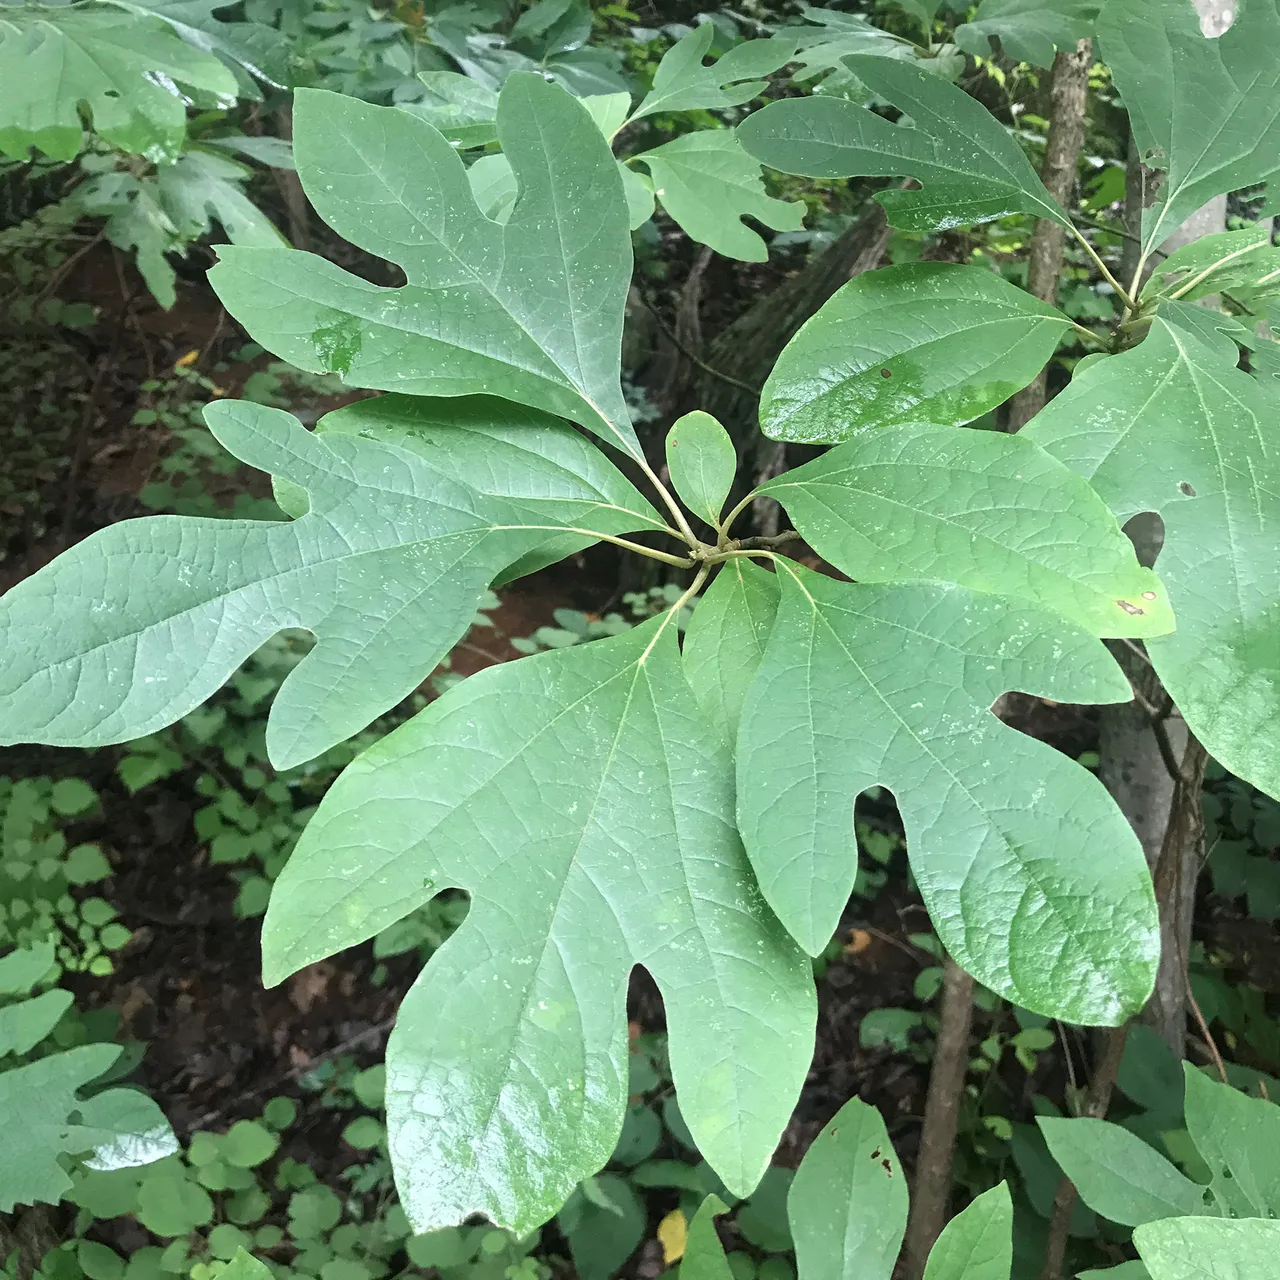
<point>629,801</point>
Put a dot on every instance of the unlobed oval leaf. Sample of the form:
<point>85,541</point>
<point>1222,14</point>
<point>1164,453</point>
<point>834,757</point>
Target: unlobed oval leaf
<point>980,508</point>
<point>977,1244</point>
<point>1172,426</point>
<point>587,806</point>
<point>923,341</point>
<point>702,462</point>
<point>848,1203</point>
<point>1033,879</point>
<point>971,169</point>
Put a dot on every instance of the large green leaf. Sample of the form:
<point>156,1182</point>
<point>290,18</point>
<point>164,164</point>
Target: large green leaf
<point>708,184</point>
<point>977,1244</point>
<point>1242,263</point>
<point>683,82</point>
<point>1209,1248</point>
<point>142,621</point>
<point>588,808</point>
<point>924,341</point>
<point>1117,1174</point>
<point>1173,426</point>
<point>848,1203</point>
<point>530,310</point>
<point>45,1118</point>
<point>127,69</point>
<point>986,510</point>
<point>1032,877</point>
<point>1207,112</point>
<point>971,169</point>
<point>1028,30</point>
<point>726,638</point>
<point>1239,1138</point>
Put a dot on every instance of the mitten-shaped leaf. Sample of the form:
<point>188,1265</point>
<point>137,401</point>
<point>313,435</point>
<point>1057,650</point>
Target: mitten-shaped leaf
<point>702,462</point>
<point>125,67</point>
<point>708,184</point>
<point>1028,30</point>
<point>1033,879</point>
<point>587,806</point>
<point>1117,1174</point>
<point>1174,427</point>
<point>925,341</point>
<point>848,1202</point>
<point>1186,1248</point>
<point>530,310</point>
<point>142,621</point>
<point>683,82</point>
<point>971,169</point>
<point>987,510</point>
<point>1206,111</point>
<point>726,638</point>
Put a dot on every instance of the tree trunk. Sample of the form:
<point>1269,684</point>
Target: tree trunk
<point>1058,173</point>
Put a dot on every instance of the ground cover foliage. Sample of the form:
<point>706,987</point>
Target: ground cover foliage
<point>669,788</point>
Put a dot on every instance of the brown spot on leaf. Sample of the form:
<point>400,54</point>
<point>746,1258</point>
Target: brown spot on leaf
<point>886,373</point>
<point>1128,607</point>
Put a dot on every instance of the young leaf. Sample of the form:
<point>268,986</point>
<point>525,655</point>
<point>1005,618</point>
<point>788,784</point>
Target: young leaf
<point>1173,426</point>
<point>986,510</point>
<point>848,1203</point>
<point>702,462</point>
<point>924,341</point>
<point>1206,111</point>
<point>977,1244</point>
<point>971,169</point>
<point>1239,1138</point>
<point>124,66</point>
<point>683,82</point>
<point>1028,30</point>
<point>726,638</point>
<point>588,809</point>
<point>530,311</point>
<point>139,623</point>
<point>1117,1174</point>
<point>1243,263</point>
<point>703,1253</point>
<point>1209,1248</point>
<point>1029,871</point>
<point>708,184</point>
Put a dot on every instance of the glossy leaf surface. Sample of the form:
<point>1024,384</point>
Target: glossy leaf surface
<point>848,1203</point>
<point>1033,879</point>
<point>977,1244</point>
<point>1173,426</point>
<point>924,341</point>
<point>980,508</point>
<point>126,67</point>
<point>1209,1248</point>
<point>386,569</point>
<point>588,808</point>
<point>708,184</point>
<point>1117,1174</point>
<point>530,310</point>
<point>1205,111</point>
<point>971,169</point>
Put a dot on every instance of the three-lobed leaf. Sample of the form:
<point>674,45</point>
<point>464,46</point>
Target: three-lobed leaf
<point>1205,111</point>
<point>587,806</point>
<point>530,310</point>
<point>983,509</point>
<point>923,341</point>
<point>1173,426</point>
<point>139,623</point>
<point>1033,879</point>
<point>971,170</point>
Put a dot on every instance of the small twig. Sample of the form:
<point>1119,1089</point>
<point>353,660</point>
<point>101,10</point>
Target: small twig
<point>1067,1058</point>
<point>1219,1065</point>
<point>766,544</point>
<point>669,334</point>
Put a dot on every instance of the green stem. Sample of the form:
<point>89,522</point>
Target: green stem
<point>686,532</point>
<point>1124,296</point>
<point>680,562</point>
